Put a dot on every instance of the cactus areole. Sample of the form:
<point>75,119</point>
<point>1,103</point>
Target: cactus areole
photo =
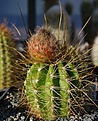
<point>48,80</point>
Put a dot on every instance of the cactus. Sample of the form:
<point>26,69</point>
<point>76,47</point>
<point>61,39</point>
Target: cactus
<point>5,55</point>
<point>94,51</point>
<point>56,82</point>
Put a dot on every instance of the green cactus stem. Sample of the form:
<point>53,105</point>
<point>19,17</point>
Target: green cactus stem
<point>5,55</point>
<point>55,82</point>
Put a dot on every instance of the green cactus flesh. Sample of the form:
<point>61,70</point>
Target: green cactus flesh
<point>56,87</point>
<point>48,89</point>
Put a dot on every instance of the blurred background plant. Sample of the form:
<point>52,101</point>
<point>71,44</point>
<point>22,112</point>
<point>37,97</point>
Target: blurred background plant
<point>6,55</point>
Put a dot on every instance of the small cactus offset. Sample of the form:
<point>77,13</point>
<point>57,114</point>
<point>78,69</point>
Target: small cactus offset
<point>56,82</point>
<point>5,55</point>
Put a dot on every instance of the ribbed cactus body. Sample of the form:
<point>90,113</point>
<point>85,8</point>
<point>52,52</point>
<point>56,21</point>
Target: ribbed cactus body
<point>5,55</point>
<point>48,89</point>
<point>56,84</point>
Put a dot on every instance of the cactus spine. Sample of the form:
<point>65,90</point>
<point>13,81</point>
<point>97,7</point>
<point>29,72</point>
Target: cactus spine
<point>56,80</point>
<point>5,55</point>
